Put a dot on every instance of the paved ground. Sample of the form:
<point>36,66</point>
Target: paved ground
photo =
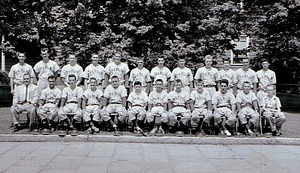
<point>143,158</point>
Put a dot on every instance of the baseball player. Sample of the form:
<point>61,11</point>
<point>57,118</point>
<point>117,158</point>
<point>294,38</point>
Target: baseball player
<point>184,74</point>
<point>117,68</point>
<point>137,103</point>
<point>201,106</point>
<point>71,68</point>
<point>246,74</point>
<point>25,98</point>
<point>140,73</point>
<point>224,107</point>
<point>178,101</point>
<point>71,102</point>
<point>49,103</point>
<point>228,74</point>
<point>17,72</point>
<point>208,74</point>
<point>161,72</point>
<point>271,107</point>
<point>115,100</point>
<point>45,68</point>
<point>94,70</point>
<point>91,105</point>
<point>247,106</point>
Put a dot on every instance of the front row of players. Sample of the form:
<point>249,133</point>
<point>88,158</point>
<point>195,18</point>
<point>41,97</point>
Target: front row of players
<point>178,111</point>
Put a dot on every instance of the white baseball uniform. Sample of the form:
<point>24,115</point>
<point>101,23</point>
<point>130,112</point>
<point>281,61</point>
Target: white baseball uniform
<point>243,76</point>
<point>45,70</point>
<point>265,78</point>
<point>112,69</point>
<point>200,107</point>
<point>179,109</point>
<point>223,103</point>
<point>75,70</point>
<point>185,75</point>
<point>164,74</point>
<point>49,109</point>
<point>209,77</point>
<point>229,75</point>
<point>157,100</point>
<point>17,72</point>
<point>93,105</point>
<point>142,75</point>
<point>247,108</point>
<point>97,72</point>
<point>139,103</point>
<point>71,106</point>
<point>115,95</point>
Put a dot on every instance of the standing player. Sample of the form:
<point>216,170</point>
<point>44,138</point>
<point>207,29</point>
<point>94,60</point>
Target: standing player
<point>71,68</point>
<point>246,74</point>
<point>25,99</point>
<point>71,102</point>
<point>137,103</point>
<point>94,70</point>
<point>184,74</point>
<point>162,72</point>
<point>247,107</point>
<point>140,74</point>
<point>178,101</point>
<point>224,107</point>
<point>48,107</point>
<point>117,68</point>
<point>17,72</point>
<point>272,111</point>
<point>228,74</point>
<point>157,106</point>
<point>201,106</point>
<point>208,74</point>
<point>45,68</point>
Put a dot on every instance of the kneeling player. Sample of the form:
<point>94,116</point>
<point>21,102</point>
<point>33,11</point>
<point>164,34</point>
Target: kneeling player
<point>272,111</point>
<point>201,106</point>
<point>247,107</point>
<point>178,101</point>
<point>157,106</point>
<point>224,107</point>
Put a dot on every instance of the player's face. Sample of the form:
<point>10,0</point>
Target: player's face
<point>21,57</point>
<point>72,80</point>
<point>181,63</point>
<point>226,65</point>
<point>199,86</point>
<point>115,82</point>
<point>265,65</point>
<point>45,55</point>
<point>51,83</point>
<point>245,63</point>
<point>140,63</point>
<point>26,79</point>
<point>208,62</point>
<point>224,87</point>
<point>160,62</point>
<point>93,83</point>
<point>138,88</point>
<point>95,59</point>
<point>72,60</point>
<point>270,91</point>
<point>117,58</point>
<point>159,85</point>
<point>178,86</point>
<point>247,88</point>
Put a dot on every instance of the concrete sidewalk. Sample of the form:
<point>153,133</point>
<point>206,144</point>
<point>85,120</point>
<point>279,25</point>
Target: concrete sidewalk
<point>146,158</point>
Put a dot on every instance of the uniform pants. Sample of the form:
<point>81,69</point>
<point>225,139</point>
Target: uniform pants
<point>198,113</point>
<point>157,111</point>
<point>276,119</point>
<point>49,111</point>
<point>224,112</point>
<point>179,111</point>
<point>114,108</point>
<point>136,112</point>
<point>70,108</point>
<point>93,110</point>
<point>248,112</point>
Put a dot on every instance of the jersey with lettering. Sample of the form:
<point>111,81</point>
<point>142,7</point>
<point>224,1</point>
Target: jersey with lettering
<point>209,76</point>
<point>112,69</point>
<point>164,74</point>
<point>138,99</point>
<point>17,72</point>
<point>92,97</point>
<point>266,78</point>
<point>178,98</point>
<point>115,94</point>
<point>200,99</point>
<point>156,98</point>
<point>68,69</point>
<point>221,100</point>
<point>243,76</point>
<point>97,72</point>
<point>185,75</point>
<point>50,95</point>
<point>46,69</point>
<point>229,75</point>
<point>142,75</point>
<point>72,95</point>
<point>245,99</point>
<point>272,103</point>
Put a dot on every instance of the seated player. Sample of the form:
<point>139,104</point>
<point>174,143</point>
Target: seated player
<point>25,99</point>
<point>91,105</point>
<point>201,106</point>
<point>223,103</point>
<point>162,72</point>
<point>272,111</point>
<point>137,103</point>
<point>178,102</point>
<point>115,101</point>
<point>71,102</point>
<point>157,106</point>
<point>94,70</point>
<point>247,106</point>
<point>49,102</point>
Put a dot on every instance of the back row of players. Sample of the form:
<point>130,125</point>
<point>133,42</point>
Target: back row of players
<point>172,94</point>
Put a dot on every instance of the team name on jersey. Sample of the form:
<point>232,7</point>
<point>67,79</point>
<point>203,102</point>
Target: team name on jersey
<point>71,71</point>
<point>181,74</point>
<point>159,73</point>
<point>21,71</point>
<point>95,71</point>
